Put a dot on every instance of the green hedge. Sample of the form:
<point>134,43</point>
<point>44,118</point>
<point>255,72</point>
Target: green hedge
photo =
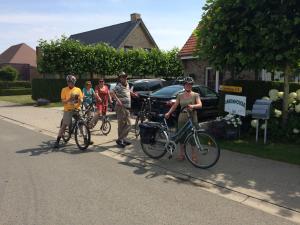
<point>66,56</point>
<point>15,91</point>
<point>50,88</point>
<point>257,89</point>
<point>12,84</point>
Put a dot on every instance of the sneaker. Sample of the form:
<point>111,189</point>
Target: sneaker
<point>86,141</point>
<point>120,143</point>
<point>126,142</point>
<point>56,145</point>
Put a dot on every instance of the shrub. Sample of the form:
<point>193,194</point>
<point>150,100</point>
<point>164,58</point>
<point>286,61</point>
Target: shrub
<point>257,89</point>
<point>16,91</point>
<point>291,132</point>
<point>13,84</point>
<point>50,88</point>
<point>8,73</point>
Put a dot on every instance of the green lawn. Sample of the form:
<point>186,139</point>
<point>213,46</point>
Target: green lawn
<point>284,152</point>
<point>20,99</point>
<point>26,100</point>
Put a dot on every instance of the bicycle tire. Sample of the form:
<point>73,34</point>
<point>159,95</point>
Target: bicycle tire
<point>87,135</point>
<point>105,127</point>
<point>162,151</point>
<point>66,135</point>
<point>209,145</point>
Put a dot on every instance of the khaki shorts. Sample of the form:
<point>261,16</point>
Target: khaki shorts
<point>67,117</point>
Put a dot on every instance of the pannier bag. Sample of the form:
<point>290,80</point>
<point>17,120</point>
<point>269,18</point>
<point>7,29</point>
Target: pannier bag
<point>148,132</point>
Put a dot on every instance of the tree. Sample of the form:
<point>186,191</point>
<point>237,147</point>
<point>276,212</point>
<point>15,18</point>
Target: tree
<point>251,34</point>
<point>8,73</point>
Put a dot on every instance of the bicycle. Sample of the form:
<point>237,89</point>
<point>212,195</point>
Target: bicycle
<point>81,131</point>
<point>88,115</point>
<point>156,140</point>
<point>143,115</point>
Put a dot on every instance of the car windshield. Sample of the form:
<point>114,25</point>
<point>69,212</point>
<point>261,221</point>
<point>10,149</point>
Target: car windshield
<point>169,91</point>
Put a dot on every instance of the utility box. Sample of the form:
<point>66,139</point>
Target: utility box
<point>261,109</point>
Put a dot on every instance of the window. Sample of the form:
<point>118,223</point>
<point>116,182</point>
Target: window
<point>206,92</point>
<point>127,47</point>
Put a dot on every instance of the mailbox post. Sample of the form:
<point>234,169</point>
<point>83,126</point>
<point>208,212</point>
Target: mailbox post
<point>261,110</point>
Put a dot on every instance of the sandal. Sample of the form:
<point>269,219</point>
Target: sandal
<point>194,158</point>
<point>180,157</point>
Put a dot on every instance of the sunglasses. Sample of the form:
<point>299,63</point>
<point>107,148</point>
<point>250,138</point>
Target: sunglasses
<point>101,81</point>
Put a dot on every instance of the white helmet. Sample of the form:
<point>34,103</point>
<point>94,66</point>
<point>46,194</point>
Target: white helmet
<point>71,78</point>
<point>188,80</point>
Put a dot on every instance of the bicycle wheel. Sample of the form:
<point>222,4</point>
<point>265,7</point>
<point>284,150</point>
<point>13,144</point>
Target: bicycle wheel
<point>157,149</point>
<point>66,135</point>
<point>82,136</point>
<point>201,149</point>
<point>105,127</point>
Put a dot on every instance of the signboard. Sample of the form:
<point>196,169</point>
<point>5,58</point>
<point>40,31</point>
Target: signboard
<point>235,104</point>
<point>234,89</point>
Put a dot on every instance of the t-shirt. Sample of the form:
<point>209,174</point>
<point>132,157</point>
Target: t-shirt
<point>188,101</point>
<point>88,95</point>
<point>123,93</point>
<point>67,93</point>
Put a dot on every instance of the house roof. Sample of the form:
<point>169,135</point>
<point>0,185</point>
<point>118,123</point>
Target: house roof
<point>113,35</point>
<point>20,54</point>
<point>189,47</point>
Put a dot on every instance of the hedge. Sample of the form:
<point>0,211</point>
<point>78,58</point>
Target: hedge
<point>15,91</point>
<point>66,56</point>
<point>11,84</point>
<point>50,88</point>
<point>257,89</point>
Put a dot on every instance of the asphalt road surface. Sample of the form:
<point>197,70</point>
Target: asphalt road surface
<point>40,186</point>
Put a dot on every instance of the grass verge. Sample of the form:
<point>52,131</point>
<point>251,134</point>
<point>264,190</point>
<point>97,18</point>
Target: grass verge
<point>284,152</point>
<point>26,100</point>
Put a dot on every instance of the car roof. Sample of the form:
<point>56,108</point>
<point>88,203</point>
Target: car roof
<point>144,80</point>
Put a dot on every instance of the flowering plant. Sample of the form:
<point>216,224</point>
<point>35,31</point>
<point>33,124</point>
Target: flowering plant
<point>231,119</point>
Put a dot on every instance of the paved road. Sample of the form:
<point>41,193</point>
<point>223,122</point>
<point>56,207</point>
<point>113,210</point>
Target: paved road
<point>39,186</point>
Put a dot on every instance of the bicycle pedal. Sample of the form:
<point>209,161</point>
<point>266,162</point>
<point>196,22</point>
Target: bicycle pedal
<point>170,157</point>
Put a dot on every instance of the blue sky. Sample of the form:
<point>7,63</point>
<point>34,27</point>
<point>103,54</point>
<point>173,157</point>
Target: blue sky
<point>169,21</point>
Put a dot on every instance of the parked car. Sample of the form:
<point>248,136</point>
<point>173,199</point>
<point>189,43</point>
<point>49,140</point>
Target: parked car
<point>143,87</point>
<point>163,99</point>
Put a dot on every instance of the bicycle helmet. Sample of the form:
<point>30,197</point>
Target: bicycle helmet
<point>122,74</point>
<point>71,78</point>
<point>188,80</point>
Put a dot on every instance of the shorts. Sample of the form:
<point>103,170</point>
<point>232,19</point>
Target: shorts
<point>67,117</point>
<point>102,108</point>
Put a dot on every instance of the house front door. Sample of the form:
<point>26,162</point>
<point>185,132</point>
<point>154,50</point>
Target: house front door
<point>210,78</point>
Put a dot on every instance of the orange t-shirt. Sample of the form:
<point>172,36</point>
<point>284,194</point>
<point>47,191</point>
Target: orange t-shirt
<point>67,93</point>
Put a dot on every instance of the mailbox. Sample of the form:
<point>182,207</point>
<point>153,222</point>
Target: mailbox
<point>261,109</point>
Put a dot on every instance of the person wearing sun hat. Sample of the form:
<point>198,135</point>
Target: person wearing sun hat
<point>122,94</point>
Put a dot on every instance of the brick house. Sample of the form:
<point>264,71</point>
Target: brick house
<point>127,35</point>
<point>207,75</point>
<point>22,58</point>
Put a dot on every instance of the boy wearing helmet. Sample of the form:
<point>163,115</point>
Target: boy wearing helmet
<point>71,98</point>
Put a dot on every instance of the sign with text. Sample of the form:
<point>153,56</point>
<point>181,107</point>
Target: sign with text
<point>235,104</point>
<point>234,89</point>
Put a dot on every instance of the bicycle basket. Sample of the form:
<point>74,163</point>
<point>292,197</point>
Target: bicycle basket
<point>148,132</point>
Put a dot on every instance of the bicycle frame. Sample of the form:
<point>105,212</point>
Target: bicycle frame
<point>180,133</point>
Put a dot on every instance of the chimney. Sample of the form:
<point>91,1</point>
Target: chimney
<point>135,16</point>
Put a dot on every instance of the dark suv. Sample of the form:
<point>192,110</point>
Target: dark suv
<point>143,87</point>
<point>163,99</point>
